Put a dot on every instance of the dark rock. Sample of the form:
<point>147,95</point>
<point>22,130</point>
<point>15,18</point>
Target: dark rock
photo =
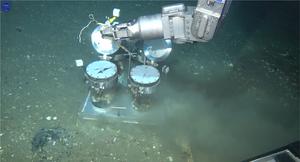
<point>54,143</point>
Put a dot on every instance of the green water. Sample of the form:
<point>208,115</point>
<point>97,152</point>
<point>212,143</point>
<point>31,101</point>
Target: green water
<point>232,98</point>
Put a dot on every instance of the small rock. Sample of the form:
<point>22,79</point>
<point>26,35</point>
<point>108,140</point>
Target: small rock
<point>54,118</point>
<point>79,62</point>
<point>19,29</point>
<point>54,142</point>
<point>170,158</point>
<point>50,158</point>
<point>115,139</point>
<point>48,118</point>
<point>196,73</point>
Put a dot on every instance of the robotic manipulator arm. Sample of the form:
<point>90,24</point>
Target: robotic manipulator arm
<point>176,22</point>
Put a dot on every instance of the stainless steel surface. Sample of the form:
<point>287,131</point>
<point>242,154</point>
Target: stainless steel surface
<point>158,49</point>
<point>174,20</point>
<point>103,46</point>
<point>206,19</point>
<point>174,8</point>
<point>204,23</point>
<point>274,156</point>
<point>144,28</point>
<point>147,27</point>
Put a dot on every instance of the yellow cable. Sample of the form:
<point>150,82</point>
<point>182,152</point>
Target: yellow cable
<point>112,19</point>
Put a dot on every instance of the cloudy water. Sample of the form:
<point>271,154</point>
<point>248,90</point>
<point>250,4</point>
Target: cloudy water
<point>230,99</point>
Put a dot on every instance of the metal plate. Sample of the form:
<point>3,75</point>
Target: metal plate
<point>144,74</point>
<point>101,45</point>
<point>157,50</point>
<point>101,69</point>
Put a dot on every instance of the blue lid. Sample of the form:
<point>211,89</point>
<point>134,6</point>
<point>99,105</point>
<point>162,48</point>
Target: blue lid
<point>220,1</point>
<point>5,6</point>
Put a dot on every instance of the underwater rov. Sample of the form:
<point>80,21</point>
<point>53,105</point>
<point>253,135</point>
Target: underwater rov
<point>123,81</point>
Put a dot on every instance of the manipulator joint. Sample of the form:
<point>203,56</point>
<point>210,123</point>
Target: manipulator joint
<point>144,28</point>
<point>189,24</point>
<point>177,22</point>
<point>117,32</point>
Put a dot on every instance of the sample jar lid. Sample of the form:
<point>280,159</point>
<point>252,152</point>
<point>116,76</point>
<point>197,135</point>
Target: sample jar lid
<point>144,74</point>
<point>101,69</point>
